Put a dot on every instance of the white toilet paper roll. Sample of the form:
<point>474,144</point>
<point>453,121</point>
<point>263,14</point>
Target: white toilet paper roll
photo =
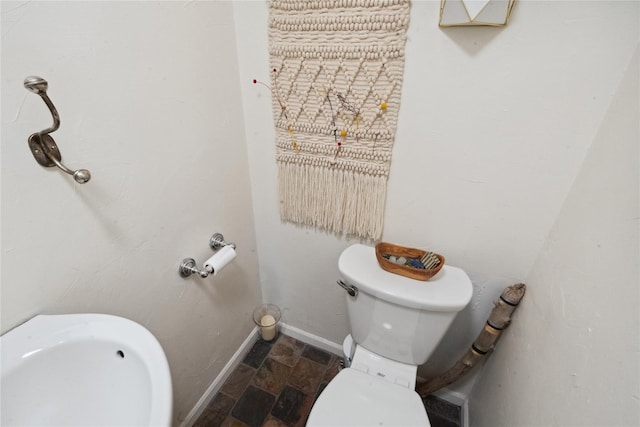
<point>220,259</point>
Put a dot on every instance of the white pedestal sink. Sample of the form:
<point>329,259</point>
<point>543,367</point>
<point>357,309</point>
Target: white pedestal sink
<point>83,370</point>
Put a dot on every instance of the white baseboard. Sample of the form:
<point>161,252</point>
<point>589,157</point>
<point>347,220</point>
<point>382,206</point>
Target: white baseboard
<point>217,383</point>
<point>458,399</point>
<point>311,339</point>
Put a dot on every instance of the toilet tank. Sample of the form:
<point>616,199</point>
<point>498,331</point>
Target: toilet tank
<point>397,317</point>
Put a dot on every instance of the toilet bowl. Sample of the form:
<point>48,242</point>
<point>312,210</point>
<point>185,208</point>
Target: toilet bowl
<point>353,398</point>
<point>374,391</point>
<point>396,324</point>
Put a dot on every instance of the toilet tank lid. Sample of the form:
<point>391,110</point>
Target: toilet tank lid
<point>449,290</point>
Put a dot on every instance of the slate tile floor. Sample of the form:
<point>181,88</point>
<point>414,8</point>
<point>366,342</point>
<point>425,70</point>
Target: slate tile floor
<point>277,383</point>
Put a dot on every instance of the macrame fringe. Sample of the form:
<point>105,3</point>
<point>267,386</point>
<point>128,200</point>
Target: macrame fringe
<point>340,201</point>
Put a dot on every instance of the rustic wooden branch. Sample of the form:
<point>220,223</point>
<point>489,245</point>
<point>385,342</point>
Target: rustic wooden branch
<point>499,319</point>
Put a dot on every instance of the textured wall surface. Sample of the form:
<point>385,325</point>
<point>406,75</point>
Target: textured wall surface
<point>572,355</point>
<point>148,97</point>
<point>493,129</point>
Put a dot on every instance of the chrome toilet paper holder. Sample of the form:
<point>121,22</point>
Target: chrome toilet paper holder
<point>188,266</point>
<point>217,241</point>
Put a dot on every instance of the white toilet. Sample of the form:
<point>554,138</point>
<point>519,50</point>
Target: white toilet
<point>396,323</point>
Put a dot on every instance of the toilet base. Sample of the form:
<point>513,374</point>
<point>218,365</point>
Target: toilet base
<point>357,357</point>
<point>348,348</point>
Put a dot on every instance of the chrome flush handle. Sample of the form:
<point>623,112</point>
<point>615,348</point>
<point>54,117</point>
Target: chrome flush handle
<point>351,290</point>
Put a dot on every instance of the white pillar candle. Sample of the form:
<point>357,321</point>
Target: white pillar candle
<point>268,327</point>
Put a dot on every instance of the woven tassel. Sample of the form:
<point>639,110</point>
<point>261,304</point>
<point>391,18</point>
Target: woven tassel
<point>331,199</point>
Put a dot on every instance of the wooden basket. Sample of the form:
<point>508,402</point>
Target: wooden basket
<point>383,248</point>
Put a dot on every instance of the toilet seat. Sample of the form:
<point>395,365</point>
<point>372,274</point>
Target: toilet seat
<point>354,398</point>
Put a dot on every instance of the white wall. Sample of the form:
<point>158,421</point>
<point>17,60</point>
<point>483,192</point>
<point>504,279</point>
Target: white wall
<point>572,356</point>
<point>493,128</point>
<point>148,97</point>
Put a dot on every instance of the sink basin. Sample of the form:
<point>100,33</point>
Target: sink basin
<point>83,370</point>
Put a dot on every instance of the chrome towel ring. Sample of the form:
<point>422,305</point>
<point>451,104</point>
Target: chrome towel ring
<point>43,147</point>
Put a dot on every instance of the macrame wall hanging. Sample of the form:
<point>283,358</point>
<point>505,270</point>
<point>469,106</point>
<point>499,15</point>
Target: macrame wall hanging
<point>337,69</point>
